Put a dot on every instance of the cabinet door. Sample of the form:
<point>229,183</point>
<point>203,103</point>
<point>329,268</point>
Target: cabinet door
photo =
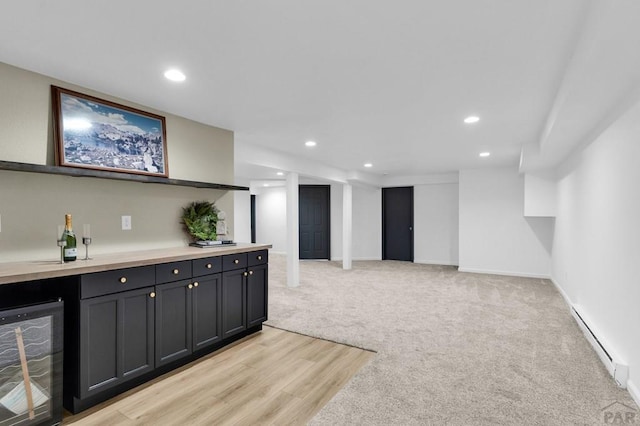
<point>98,344</point>
<point>137,337</point>
<point>206,311</point>
<point>234,316</point>
<point>257,294</point>
<point>173,321</point>
<point>116,339</point>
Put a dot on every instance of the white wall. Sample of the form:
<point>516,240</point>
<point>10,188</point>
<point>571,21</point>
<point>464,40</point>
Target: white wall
<point>242,215</point>
<point>32,205</point>
<point>539,195</point>
<point>495,237</point>
<point>335,217</point>
<point>597,238</point>
<point>271,224</point>
<point>367,223</point>
<point>271,218</point>
<point>436,224</point>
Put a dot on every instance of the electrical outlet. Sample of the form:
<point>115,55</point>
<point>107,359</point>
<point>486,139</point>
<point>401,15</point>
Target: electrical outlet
<point>126,223</point>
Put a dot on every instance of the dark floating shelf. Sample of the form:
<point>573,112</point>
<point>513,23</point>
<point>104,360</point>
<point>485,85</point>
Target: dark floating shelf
<point>102,174</point>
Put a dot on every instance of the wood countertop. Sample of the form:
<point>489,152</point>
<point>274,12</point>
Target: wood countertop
<point>15,272</point>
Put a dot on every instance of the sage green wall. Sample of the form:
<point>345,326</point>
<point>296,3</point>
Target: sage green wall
<point>32,205</point>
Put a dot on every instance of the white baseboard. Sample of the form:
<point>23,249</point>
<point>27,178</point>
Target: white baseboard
<point>617,366</point>
<point>435,262</point>
<point>562,293</point>
<point>634,392</point>
<point>339,259</point>
<point>508,273</point>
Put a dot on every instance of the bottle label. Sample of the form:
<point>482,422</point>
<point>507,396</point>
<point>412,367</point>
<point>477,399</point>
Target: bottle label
<point>71,252</point>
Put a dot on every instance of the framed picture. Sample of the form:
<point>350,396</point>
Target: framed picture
<point>93,133</point>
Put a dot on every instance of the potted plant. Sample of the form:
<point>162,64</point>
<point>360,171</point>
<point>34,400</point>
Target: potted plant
<point>200,219</point>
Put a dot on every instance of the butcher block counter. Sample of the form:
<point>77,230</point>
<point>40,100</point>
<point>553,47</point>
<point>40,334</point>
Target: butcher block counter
<point>14,272</point>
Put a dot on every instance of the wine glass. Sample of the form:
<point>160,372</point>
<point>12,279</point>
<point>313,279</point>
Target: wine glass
<point>86,240</point>
<point>62,242</point>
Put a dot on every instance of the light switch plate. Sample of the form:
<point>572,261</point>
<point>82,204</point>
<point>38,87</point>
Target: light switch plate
<point>126,223</point>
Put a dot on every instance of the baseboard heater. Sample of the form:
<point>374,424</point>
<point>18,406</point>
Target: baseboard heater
<point>618,369</point>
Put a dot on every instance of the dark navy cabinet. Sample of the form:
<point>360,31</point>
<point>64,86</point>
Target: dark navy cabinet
<point>187,316</point>
<point>174,310</point>
<point>234,302</point>
<point>124,327</point>
<point>257,294</point>
<point>244,291</point>
<point>116,339</point>
<point>207,312</point>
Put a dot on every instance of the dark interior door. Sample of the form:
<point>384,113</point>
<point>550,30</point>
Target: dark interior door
<point>313,221</point>
<point>253,218</point>
<point>397,223</point>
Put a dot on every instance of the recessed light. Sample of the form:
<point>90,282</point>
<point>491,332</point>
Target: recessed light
<point>485,154</point>
<point>471,119</point>
<point>280,174</point>
<point>266,184</point>
<point>310,143</point>
<point>174,75</point>
<point>368,165</point>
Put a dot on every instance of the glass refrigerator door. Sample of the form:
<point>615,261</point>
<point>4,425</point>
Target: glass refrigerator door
<point>31,365</point>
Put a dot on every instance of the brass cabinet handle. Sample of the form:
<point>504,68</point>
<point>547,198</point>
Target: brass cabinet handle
<point>196,284</point>
<point>123,280</point>
<point>152,294</point>
<point>245,274</point>
<point>209,266</point>
<point>250,272</point>
<point>236,261</point>
<point>259,257</point>
<point>176,272</point>
<point>190,286</point>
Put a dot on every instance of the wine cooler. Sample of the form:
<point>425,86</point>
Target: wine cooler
<point>31,364</point>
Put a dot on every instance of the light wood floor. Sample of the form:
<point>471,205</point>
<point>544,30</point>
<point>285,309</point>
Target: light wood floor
<point>272,377</point>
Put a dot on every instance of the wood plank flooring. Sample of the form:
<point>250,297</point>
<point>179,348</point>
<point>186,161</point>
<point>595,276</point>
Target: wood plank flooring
<point>273,377</point>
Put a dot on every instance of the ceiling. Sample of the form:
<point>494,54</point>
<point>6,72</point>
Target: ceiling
<point>370,81</point>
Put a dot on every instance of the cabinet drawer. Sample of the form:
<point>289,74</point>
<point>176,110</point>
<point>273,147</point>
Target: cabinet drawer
<point>207,266</point>
<point>100,283</point>
<point>174,271</point>
<point>234,261</point>
<point>258,257</point>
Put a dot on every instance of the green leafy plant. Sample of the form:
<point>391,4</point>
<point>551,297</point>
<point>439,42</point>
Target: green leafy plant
<point>200,219</point>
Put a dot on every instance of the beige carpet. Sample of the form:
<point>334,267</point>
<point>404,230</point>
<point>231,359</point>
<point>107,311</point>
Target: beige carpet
<point>452,348</point>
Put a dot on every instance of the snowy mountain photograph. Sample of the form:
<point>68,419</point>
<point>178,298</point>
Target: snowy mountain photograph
<point>98,134</point>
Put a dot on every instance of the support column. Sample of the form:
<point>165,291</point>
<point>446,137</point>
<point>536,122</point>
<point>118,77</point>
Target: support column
<point>293,245</point>
<point>347,225</point>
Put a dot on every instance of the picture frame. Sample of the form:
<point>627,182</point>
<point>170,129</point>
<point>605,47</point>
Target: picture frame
<point>93,133</point>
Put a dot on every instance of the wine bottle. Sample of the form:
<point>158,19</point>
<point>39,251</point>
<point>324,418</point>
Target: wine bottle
<point>70,250</point>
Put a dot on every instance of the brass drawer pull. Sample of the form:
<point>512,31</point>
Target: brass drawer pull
<point>176,272</point>
<point>250,272</point>
<point>196,284</point>
<point>152,294</point>
<point>259,257</point>
<point>209,266</point>
<point>236,261</point>
<point>190,286</point>
<point>123,280</point>
<point>245,274</point>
